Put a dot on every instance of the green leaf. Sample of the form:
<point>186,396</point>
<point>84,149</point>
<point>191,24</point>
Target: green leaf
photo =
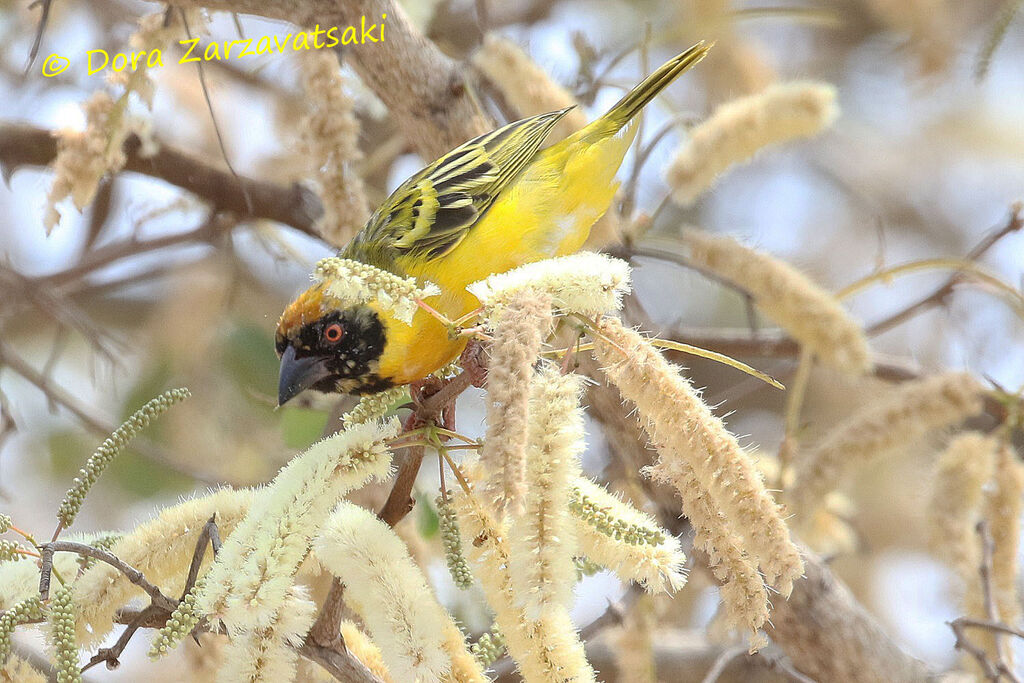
<point>427,521</point>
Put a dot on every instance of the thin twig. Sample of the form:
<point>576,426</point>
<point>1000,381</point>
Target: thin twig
<point>47,551</point>
<point>993,671</point>
<point>722,662</point>
<point>211,535</point>
<point>40,30</point>
<point>213,118</point>
<point>111,655</point>
<point>1014,223</point>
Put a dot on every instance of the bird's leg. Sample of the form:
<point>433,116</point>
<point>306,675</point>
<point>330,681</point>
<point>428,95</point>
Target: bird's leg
<point>419,391</point>
<point>474,361</point>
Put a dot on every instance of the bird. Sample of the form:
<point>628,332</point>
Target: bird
<point>492,204</point>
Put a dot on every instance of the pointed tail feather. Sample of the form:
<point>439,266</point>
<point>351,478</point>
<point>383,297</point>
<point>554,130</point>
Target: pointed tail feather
<point>638,97</point>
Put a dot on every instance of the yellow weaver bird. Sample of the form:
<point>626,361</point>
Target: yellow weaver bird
<point>490,205</point>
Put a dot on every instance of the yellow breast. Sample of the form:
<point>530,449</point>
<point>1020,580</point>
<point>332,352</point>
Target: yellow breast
<point>547,211</point>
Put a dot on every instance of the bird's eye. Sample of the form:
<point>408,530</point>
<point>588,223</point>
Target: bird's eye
<point>333,333</point>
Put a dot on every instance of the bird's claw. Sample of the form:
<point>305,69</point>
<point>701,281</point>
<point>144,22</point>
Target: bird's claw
<point>474,361</point>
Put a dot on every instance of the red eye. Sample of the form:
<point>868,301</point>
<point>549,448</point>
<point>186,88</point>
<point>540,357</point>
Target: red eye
<point>333,333</point>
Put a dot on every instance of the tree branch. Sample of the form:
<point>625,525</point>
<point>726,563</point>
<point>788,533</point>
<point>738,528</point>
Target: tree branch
<point>46,550</point>
<point>425,90</point>
<point>1014,223</point>
<point>297,206</point>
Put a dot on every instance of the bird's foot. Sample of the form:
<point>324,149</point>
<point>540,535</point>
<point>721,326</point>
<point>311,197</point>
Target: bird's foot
<point>421,390</point>
<point>474,361</point>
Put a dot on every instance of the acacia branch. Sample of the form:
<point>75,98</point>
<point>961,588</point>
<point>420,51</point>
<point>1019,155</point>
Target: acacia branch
<point>425,90</point>
<point>46,550</point>
<point>297,206</point>
<point>1014,223</point>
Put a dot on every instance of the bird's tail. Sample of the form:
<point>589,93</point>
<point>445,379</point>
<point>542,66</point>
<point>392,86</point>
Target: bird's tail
<point>637,98</point>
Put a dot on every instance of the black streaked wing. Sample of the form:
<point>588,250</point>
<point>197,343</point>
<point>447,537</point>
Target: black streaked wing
<point>431,212</point>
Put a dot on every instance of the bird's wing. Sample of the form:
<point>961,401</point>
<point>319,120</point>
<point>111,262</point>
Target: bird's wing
<point>431,212</point>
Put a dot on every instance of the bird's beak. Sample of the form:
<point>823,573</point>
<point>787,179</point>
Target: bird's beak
<point>299,374</point>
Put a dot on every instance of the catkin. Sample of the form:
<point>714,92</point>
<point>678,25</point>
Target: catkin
<point>161,549</point>
<point>11,551</point>
<point>29,609</point>
<point>807,312</point>
<point>451,540</point>
<point>525,85</point>
<point>249,580</point>
<point>1002,510</point>
<point>616,535</point>
<point>373,406</point>
<point>365,650</point>
<point>111,447</point>
<point>910,412</point>
<point>85,158</point>
<point>392,597</point>
<point>741,127</point>
<point>352,283</point>
<point>17,670</point>
<point>743,591</point>
<point>61,619</point>
<point>269,654</point>
<point>330,136</point>
<point>586,283</point>
<point>519,329</point>
<point>542,539</point>
<point>547,649</point>
<point>954,506</point>
<point>684,431</point>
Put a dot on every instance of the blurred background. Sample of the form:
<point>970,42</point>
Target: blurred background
<point>146,290</point>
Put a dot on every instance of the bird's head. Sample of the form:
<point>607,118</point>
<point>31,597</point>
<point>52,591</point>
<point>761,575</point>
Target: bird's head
<point>327,347</point>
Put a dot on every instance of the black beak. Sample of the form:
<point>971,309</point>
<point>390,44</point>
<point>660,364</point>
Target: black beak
<point>299,374</point>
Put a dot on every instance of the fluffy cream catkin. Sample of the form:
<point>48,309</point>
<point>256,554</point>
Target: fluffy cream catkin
<point>519,329</point>
<point>365,650</point>
<point>743,591</point>
<point>547,649</point>
<point>542,539</point>
<point>388,591</point>
<point>352,282</point>
<point>807,312</point>
<point>161,549</point>
<point>525,85</point>
<point>330,136</point>
<point>1003,510</point>
<point>683,429</point>
<point>954,506</point>
<point>249,580</point>
<point>908,413</point>
<point>616,535</point>
<point>586,283</point>
<point>85,158</point>
<point>741,127</point>
<point>17,670</point>
<point>269,654</point>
